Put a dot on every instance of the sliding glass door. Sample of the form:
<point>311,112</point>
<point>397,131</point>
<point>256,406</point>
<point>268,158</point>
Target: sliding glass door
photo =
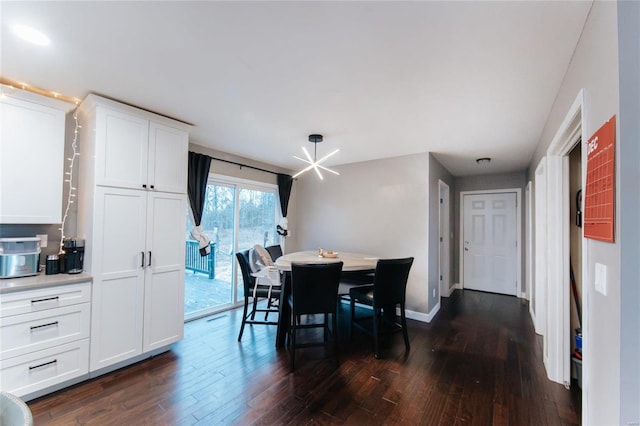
<point>256,223</point>
<point>237,215</point>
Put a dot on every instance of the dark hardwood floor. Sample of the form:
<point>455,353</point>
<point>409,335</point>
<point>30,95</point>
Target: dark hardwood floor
<point>478,362</point>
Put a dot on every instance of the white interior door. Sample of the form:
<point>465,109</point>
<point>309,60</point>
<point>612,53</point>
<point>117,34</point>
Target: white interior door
<point>490,242</point>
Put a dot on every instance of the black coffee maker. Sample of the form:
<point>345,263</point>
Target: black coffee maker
<point>74,255</point>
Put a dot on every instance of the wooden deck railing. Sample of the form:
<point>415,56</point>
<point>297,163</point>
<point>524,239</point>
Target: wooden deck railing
<point>196,263</point>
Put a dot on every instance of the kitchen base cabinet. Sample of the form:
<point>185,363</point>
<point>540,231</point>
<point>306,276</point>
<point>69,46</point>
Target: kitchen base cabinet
<point>116,333</point>
<point>164,275</point>
<point>164,310</point>
<point>115,260</point>
<point>44,336</point>
<point>22,334</point>
<point>138,252</point>
<point>39,370</point>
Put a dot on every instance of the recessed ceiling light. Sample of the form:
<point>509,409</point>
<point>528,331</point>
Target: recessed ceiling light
<point>31,35</point>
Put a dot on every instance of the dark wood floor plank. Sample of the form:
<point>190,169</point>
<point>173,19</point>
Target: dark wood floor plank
<point>478,362</point>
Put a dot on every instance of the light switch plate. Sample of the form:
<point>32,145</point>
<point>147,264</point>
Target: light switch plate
<point>601,278</point>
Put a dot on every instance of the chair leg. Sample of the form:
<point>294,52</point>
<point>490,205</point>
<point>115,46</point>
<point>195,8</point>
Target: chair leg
<point>403,319</point>
<point>270,305</point>
<point>376,325</point>
<point>334,324</point>
<point>326,327</point>
<point>255,306</point>
<point>292,340</point>
<point>244,317</point>
<point>353,316</point>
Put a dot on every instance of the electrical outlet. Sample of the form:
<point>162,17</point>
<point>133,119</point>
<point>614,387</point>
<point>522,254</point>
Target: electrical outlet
<point>434,292</point>
<point>44,239</point>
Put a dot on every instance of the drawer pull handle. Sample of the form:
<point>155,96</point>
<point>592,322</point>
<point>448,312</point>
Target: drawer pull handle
<point>34,327</point>
<point>33,367</point>
<point>48,299</point>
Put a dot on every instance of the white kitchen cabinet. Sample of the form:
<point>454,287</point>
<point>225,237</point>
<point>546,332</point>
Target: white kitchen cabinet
<point>44,336</point>
<point>164,274</point>
<point>136,151</point>
<point>132,213</point>
<point>115,254</point>
<point>138,251</point>
<point>31,157</point>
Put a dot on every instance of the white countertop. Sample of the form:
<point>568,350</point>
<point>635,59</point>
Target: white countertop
<point>8,285</point>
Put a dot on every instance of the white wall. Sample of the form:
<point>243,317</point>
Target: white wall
<point>379,207</point>
<point>629,144</point>
<point>594,67</point>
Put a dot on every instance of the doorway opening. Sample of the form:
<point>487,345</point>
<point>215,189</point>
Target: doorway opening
<point>557,351</point>
<point>575,264</point>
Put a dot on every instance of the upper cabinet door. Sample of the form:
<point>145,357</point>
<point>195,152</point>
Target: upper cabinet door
<point>31,162</point>
<point>168,151</point>
<point>122,144</point>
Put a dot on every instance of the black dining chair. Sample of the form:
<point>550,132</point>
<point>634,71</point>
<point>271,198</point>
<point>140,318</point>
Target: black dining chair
<point>387,291</point>
<point>351,279</point>
<point>275,251</point>
<point>314,291</point>
<point>253,293</point>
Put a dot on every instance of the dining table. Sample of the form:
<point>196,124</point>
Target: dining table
<point>354,265</point>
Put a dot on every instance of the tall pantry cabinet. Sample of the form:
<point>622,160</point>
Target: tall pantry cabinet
<point>132,213</point>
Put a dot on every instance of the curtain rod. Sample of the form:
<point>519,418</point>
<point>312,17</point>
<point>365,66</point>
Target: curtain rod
<point>245,165</point>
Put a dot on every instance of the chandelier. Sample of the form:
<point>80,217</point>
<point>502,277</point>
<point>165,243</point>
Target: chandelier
<point>314,163</point>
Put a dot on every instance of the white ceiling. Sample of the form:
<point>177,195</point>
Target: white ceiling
<point>377,79</point>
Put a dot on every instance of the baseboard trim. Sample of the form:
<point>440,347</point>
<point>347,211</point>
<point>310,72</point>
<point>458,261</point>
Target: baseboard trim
<point>453,288</point>
<point>420,316</point>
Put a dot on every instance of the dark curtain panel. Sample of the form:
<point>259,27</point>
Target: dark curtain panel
<point>199,165</point>
<point>284,191</point>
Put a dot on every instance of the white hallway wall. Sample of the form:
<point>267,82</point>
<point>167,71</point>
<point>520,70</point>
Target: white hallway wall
<point>594,67</point>
<point>629,52</point>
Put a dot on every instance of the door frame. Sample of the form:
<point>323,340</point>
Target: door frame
<point>528,248</point>
<point>444,239</point>
<point>518,192</point>
<point>540,217</point>
<point>558,362</point>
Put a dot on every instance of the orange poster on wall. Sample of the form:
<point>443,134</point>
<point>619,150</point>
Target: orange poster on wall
<point>599,201</point>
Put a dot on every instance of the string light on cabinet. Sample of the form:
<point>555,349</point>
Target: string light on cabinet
<point>69,179</point>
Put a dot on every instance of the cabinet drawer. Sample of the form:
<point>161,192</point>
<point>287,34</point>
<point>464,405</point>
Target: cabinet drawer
<point>38,370</point>
<point>21,334</point>
<point>28,301</point>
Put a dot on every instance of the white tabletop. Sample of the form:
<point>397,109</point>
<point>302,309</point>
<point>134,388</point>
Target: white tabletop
<point>352,261</point>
